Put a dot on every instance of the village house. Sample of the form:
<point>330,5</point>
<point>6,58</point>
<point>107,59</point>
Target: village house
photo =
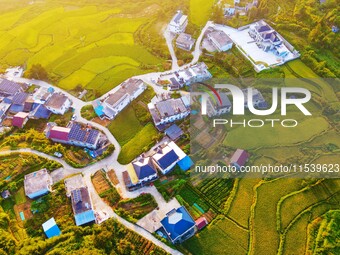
<point>196,73</point>
<point>5,194</point>
<point>51,228</point>
<point>267,38</point>
<point>75,134</point>
<point>185,41</point>
<point>174,84</point>
<point>58,103</point>
<point>258,100</point>
<point>3,110</point>
<point>39,111</point>
<point>72,183</point>
<point>123,96</point>
<point>174,132</point>
<point>10,88</point>
<point>18,102</point>
<point>178,23</point>
<point>20,119</point>
<point>42,94</point>
<point>220,40</point>
<point>215,108</point>
<point>38,183</point>
<point>165,158</point>
<point>239,158</point>
<point>187,76</point>
<point>82,206</point>
<point>201,223</point>
<point>139,172</point>
<point>178,225</point>
<point>170,110</point>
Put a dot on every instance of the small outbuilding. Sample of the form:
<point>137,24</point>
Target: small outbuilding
<point>51,228</point>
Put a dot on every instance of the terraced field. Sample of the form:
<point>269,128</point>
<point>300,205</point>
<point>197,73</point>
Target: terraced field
<point>78,44</point>
<point>268,217</point>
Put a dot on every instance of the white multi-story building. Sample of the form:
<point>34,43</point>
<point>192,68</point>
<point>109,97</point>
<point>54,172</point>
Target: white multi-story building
<point>58,103</point>
<point>220,40</point>
<point>267,38</point>
<point>117,101</point>
<point>178,23</point>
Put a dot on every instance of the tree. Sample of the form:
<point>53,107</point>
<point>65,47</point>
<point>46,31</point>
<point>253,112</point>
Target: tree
<point>37,71</point>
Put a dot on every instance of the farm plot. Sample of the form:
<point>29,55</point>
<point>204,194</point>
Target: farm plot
<point>231,239</point>
<point>263,222</point>
<point>136,208</point>
<point>291,205</point>
<point>241,204</point>
<point>216,190</point>
<point>105,189</point>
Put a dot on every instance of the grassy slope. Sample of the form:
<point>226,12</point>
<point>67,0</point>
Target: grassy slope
<point>84,45</point>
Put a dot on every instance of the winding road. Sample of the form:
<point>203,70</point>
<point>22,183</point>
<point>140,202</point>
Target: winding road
<point>103,210</point>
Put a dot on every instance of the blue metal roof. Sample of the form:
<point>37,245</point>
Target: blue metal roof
<point>185,163</point>
<point>174,132</point>
<point>168,159</point>
<point>177,222</point>
<point>16,108</point>
<point>99,110</point>
<point>84,217</point>
<point>144,170</point>
<point>42,112</point>
<point>51,228</point>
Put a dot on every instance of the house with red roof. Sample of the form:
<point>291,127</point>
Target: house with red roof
<point>201,223</point>
<point>20,119</point>
<point>58,134</point>
<point>239,158</point>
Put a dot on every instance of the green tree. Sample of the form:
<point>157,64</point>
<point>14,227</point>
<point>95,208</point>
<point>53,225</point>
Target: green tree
<point>37,71</point>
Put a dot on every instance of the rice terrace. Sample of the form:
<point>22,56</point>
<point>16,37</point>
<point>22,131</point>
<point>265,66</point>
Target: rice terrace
<point>93,46</point>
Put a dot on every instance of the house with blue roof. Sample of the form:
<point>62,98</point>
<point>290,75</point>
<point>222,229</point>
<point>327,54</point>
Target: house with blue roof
<point>174,132</point>
<point>185,163</point>
<point>178,225</point>
<point>82,206</point>
<point>51,228</point>
<point>165,158</point>
<point>140,172</point>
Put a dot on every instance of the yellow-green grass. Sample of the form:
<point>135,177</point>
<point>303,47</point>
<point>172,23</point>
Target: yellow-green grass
<point>221,237</point>
<point>240,207</point>
<point>265,238</point>
<point>329,159</point>
<point>140,143</point>
<point>295,239</point>
<point>200,11</point>
<point>296,202</point>
<point>247,137</point>
<point>329,137</point>
<point>125,126</point>
<point>304,71</point>
<point>19,196</point>
<point>68,42</point>
<point>280,153</point>
<point>296,236</point>
<point>111,78</point>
